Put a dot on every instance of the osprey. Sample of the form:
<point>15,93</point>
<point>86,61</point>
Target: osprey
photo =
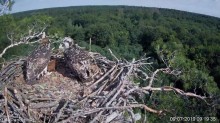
<point>66,43</point>
<point>37,61</point>
<point>79,61</point>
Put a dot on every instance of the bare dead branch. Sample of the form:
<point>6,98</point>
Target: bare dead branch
<point>4,7</point>
<point>179,91</point>
<point>6,105</point>
<point>23,40</point>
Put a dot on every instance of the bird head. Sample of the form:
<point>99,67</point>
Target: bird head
<point>66,43</point>
<point>45,40</point>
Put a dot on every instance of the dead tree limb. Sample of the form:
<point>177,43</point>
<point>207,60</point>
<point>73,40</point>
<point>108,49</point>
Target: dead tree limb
<point>5,6</point>
<point>23,40</point>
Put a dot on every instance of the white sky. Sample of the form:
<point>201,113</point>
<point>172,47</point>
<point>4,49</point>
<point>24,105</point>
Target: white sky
<point>208,7</point>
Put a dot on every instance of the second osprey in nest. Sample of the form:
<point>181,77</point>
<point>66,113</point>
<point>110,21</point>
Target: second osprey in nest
<point>37,61</point>
<point>79,61</point>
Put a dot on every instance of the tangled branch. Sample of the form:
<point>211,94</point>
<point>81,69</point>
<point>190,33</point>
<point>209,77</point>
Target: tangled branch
<point>5,5</point>
<point>107,98</point>
<point>23,40</point>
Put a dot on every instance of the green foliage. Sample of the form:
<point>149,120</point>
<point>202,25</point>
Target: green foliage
<point>16,28</point>
<point>192,107</point>
<point>7,24</point>
<point>100,34</point>
<point>18,51</point>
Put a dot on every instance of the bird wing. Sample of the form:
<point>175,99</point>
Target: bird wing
<point>37,61</point>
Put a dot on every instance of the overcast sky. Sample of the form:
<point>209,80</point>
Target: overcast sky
<point>208,7</point>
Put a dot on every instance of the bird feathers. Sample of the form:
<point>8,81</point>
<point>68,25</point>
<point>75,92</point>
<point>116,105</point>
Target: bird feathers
<point>37,61</point>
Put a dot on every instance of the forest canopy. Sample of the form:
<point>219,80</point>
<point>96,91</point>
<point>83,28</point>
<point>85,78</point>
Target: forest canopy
<point>192,41</point>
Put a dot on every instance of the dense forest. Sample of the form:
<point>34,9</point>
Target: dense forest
<point>192,41</point>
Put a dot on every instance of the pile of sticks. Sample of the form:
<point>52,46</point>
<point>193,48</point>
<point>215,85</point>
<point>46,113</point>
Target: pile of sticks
<point>111,98</point>
<point>13,69</point>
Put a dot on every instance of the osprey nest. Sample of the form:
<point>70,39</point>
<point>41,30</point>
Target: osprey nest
<point>81,87</point>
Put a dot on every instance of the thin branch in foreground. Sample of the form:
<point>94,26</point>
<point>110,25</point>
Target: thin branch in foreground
<point>179,91</point>
<point>23,40</point>
<point>6,104</point>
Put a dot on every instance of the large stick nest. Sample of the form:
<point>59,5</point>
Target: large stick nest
<point>60,97</point>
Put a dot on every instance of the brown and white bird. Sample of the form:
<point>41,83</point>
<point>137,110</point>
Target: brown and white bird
<point>78,60</point>
<point>66,43</point>
<point>37,61</point>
